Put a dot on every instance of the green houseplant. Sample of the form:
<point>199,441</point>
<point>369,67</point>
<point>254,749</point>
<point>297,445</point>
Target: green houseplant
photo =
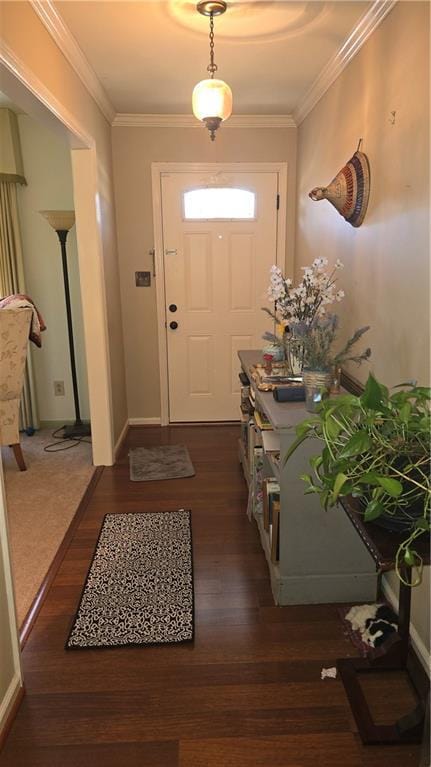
<point>376,449</point>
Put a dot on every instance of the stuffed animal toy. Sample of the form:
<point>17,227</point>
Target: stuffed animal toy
<point>374,622</point>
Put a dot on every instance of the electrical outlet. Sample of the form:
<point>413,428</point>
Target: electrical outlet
<point>59,388</point>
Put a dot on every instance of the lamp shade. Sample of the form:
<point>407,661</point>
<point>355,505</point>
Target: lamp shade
<point>11,167</point>
<point>60,220</point>
<point>212,99</point>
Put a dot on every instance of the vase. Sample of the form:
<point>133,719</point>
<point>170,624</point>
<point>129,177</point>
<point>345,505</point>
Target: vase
<point>317,385</point>
<point>294,351</point>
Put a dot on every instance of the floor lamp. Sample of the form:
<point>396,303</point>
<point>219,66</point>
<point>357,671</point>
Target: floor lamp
<point>62,221</point>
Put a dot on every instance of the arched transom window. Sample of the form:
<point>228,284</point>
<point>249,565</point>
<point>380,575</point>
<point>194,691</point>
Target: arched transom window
<point>219,203</point>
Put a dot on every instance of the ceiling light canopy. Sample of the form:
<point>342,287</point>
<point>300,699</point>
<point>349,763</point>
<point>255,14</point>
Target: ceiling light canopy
<point>212,98</point>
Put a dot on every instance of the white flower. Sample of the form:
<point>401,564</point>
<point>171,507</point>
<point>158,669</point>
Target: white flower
<point>320,263</point>
<point>305,301</point>
<point>307,271</point>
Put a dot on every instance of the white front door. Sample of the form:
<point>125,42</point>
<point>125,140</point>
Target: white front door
<point>216,269</point>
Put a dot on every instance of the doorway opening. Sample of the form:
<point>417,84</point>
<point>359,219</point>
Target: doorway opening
<point>31,99</point>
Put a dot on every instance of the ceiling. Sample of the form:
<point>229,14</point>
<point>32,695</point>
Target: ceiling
<point>148,54</point>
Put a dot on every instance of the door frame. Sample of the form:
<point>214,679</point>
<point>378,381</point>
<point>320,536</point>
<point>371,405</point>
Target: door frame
<point>28,92</point>
<point>157,169</point>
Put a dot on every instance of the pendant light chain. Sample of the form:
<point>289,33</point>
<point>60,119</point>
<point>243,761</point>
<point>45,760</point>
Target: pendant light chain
<point>212,98</point>
<point>212,67</point>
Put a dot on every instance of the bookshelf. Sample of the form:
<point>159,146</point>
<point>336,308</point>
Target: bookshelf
<point>320,556</point>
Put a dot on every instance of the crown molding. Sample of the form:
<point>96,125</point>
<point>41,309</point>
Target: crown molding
<point>351,46</point>
<point>43,97</point>
<point>189,121</point>
<point>61,34</point>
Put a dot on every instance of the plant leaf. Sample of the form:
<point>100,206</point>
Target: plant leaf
<point>333,428</point>
<point>391,486</point>
<point>372,397</point>
<point>343,400</point>
<point>369,478</point>
<point>358,443</point>
<point>307,426</point>
<point>340,480</point>
<point>373,510</point>
<point>294,446</point>
<point>405,412</point>
<point>306,478</point>
<point>422,524</point>
<point>423,391</point>
<point>410,558</point>
<point>406,383</point>
<point>316,461</point>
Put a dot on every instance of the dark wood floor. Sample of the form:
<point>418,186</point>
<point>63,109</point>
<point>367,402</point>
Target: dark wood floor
<point>247,693</point>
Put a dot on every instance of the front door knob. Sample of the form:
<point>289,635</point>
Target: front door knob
<point>173,325</point>
<point>173,307</point>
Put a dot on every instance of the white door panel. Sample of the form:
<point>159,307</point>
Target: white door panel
<point>216,274</point>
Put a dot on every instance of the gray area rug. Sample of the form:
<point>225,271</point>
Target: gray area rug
<point>165,462</point>
<point>139,589</point>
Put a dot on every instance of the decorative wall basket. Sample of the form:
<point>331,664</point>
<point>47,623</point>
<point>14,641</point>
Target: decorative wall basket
<point>349,191</point>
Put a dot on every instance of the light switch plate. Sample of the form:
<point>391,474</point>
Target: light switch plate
<point>143,279</point>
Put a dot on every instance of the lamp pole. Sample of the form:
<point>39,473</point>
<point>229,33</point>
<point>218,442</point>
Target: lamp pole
<point>62,222</point>
<point>62,236</point>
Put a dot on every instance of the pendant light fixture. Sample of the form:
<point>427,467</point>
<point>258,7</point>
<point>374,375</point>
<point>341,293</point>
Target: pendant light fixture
<point>212,98</point>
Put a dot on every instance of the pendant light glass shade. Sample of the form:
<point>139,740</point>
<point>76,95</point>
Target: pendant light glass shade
<point>212,99</point>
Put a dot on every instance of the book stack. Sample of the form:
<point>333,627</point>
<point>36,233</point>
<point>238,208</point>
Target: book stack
<point>262,421</point>
<point>271,514</point>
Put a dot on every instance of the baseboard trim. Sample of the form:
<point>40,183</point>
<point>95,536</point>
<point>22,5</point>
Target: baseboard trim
<point>43,590</point>
<point>156,421</point>
<point>9,706</point>
<point>121,438</point>
<point>54,424</point>
<point>204,423</point>
<point>418,644</point>
<point>324,588</point>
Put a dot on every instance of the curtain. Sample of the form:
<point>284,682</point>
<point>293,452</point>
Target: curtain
<point>12,281</point>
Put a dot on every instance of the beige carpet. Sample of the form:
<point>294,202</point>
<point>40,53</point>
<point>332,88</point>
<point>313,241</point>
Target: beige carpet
<point>41,503</point>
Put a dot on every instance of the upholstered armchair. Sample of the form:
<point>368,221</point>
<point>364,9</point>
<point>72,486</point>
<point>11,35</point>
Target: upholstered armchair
<point>14,330</point>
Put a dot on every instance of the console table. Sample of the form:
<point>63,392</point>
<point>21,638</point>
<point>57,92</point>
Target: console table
<point>321,558</point>
<point>395,654</point>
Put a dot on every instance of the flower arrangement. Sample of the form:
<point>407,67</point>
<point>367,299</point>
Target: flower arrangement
<point>309,299</point>
<point>309,332</point>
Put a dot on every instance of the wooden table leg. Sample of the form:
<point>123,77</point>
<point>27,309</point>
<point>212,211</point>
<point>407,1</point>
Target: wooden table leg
<point>17,451</point>
<point>395,656</point>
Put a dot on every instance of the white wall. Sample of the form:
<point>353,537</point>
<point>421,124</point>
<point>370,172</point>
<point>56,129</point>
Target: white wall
<point>134,149</point>
<point>10,670</point>
<point>43,64</point>
<point>386,274</point>
<point>48,172</point>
